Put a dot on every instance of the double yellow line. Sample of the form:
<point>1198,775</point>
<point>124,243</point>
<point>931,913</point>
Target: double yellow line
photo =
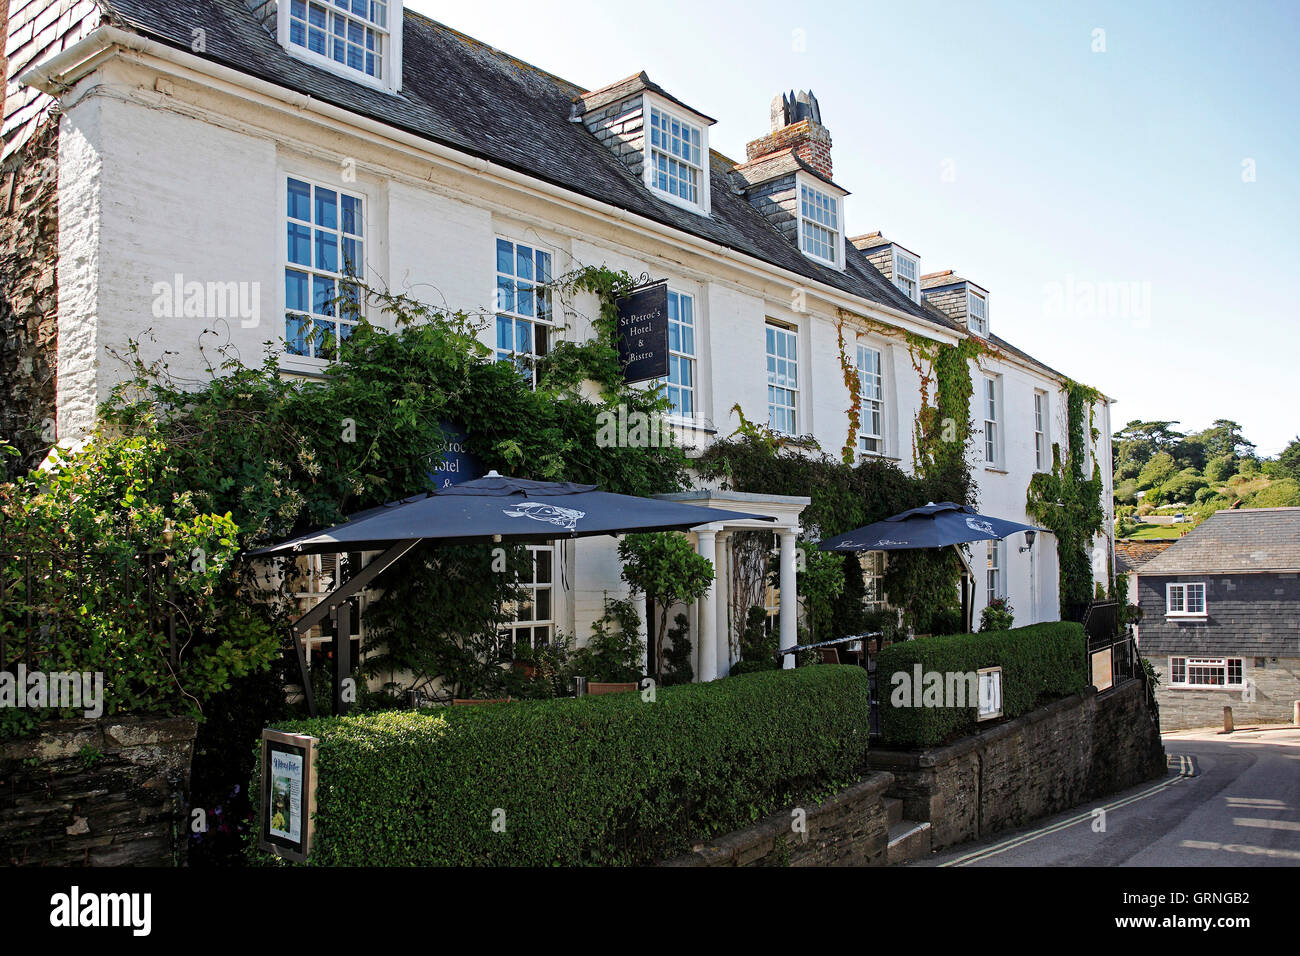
<point>1184,764</point>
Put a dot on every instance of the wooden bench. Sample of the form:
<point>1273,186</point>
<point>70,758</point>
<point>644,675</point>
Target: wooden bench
<point>597,687</point>
<point>472,702</point>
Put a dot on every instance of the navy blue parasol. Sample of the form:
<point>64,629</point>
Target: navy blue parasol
<point>499,508</point>
<point>930,526</point>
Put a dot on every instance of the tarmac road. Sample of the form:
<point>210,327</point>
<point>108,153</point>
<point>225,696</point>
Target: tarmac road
<point>1229,800</point>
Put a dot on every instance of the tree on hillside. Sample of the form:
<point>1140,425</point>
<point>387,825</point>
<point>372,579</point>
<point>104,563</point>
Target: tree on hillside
<point>1137,441</point>
<point>1290,458</point>
<point>1224,437</point>
<point>1160,468</point>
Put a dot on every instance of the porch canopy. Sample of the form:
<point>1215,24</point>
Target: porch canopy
<point>485,510</point>
<point>931,526</point>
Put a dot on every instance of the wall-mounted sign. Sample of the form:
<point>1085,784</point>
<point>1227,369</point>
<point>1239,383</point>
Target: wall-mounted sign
<point>643,333</point>
<point>990,690</point>
<point>453,464</point>
<point>288,794</point>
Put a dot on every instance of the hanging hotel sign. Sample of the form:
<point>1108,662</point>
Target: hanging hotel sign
<point>287,797</point>
<point>453,463</point>
<point>643,333</point>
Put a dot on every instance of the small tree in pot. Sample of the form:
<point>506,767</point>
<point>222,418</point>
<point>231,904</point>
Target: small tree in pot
<point>664,567</point>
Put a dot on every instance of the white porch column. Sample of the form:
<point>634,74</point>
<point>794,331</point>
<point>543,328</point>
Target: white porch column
<point>706,615</point>
<point>789,597</point>
<point>723,586</point>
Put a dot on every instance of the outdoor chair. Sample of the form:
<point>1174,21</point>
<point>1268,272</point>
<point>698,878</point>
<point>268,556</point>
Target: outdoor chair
<point>596,687</point>
<point>830,655</point>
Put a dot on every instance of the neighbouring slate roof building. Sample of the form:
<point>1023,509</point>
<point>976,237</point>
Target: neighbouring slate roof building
<point>1221,619</point>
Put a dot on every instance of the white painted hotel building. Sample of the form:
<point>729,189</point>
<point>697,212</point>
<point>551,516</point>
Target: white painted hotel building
<point>265,143</point>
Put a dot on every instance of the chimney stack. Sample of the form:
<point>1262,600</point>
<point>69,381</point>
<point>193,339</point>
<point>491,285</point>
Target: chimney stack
<point>797,125</point>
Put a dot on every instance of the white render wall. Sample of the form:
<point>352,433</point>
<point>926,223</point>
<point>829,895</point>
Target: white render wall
<point>192,183</point>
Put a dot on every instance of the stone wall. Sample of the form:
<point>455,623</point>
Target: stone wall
<point>109,792</point>
<point>849,829</point>
<point>29,235</point>
<point>1047,761</point>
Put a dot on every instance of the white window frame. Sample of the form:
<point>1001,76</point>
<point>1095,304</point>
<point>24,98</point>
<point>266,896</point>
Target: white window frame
<point>659,105</point>
<point>312,364</point>
<point>1042,447</point>
<point>1185,664</point>
<point>533,320</point>
<point>981,326</point>
<point>899,279</point>
<point>803,183</point>
<point>774,381</point>
<point>991,399</point>
<point>995,572</point>
<point>867,403</point>
<point>874,564</point>
<point>509,629</point>
<point>391,32</point>
<point>1181,610</point>
<point>690,359</point>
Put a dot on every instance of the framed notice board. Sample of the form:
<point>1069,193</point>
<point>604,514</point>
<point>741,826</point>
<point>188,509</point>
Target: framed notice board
<point>643,333</point>
<point>287,798</point>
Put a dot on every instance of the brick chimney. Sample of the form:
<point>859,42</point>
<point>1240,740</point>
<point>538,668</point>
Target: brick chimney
<point>797,125</point>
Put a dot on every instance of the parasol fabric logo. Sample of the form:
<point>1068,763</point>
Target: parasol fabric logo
<point>976,524</point>
<point>566,518</point>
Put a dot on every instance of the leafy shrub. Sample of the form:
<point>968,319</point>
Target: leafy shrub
<point>615,652</point>
<point>1039,662</point>
<point>593,780</point>
<point>758,643</point>
<point>1280,494</point>
<point>664,567</point>
<point>998,615</point>
<point>1220,468</point>
<point>678,657</point>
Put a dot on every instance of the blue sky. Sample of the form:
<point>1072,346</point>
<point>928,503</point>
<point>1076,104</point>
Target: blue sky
<point>1133,212</point>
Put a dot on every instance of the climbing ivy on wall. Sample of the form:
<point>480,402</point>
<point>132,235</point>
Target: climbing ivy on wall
<point>1068,503</point>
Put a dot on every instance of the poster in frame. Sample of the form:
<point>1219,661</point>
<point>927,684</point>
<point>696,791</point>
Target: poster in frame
<point>287,798</point>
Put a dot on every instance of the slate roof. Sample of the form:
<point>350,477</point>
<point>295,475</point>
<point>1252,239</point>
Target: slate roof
<point>1246,539</point>
<point>1132,555</point>
<point>471,97</point>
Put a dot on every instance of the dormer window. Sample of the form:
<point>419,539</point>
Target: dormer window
<point>352,38</point>
<point>977,312</point>
<point>820,237</point>
<point>675,158</point>
<point>906,273</point>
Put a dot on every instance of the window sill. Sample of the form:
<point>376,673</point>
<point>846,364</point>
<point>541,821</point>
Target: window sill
<point>1175,616</point>
<point>693,424</point>
<point>996,470</point>
<point>876,456</point>
<point>303,365</point>
<point>1233,688</point>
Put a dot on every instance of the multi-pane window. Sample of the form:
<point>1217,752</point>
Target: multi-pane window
<point>325,256</point>
<point>873,580</point>
<point>1040,431</point>
<point>523,305</point>
<point>994,585</point>
<point>351,33</point>
<point>1206,672</point>
<point>991,436</point>
<point>819,220</point>
<point>871,384</point>
<point>676,166</point>
<point>905,274</point>
<point>1187,600</point>
<point>977,311</point>
<point>533,614</point>
<point>782,380</point>
<point>680,383</point>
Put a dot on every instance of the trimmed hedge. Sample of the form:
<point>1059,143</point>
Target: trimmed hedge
<point>1039,662</point>
<point>595,780</point>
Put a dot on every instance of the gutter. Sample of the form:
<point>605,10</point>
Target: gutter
<point>57,74</point>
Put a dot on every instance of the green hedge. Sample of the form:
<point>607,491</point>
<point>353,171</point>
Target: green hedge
<point>596,780</point>
<point>1039,662</point>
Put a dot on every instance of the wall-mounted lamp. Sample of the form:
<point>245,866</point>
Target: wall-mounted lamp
<point>1029,541</point>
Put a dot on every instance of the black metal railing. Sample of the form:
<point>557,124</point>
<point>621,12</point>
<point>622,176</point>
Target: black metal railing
<point>49,596</point>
